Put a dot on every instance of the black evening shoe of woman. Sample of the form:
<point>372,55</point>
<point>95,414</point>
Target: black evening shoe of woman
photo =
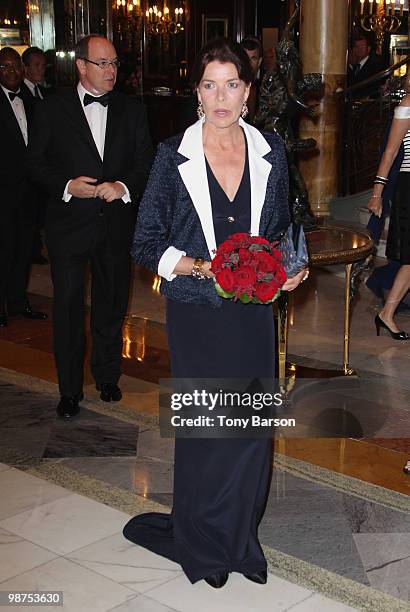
<point>217,580</point>
<point>258,577</point>
<point>401,335</point>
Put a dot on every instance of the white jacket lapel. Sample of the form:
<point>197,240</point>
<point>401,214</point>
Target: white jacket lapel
<point>259,169</point>
<point>193,173</point>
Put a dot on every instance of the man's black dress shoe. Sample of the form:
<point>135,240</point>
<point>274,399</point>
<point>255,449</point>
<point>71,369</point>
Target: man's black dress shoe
<point>258,577</point>
<point>68,406</point>
<point>3,319</point>
<point>109,392</point>
<point>28,313</point>
<point>217,580</point>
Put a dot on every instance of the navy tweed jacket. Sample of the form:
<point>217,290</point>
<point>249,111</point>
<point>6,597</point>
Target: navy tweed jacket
<point>176,215</point>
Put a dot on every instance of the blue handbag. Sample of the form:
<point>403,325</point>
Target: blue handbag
<point>294,251</point>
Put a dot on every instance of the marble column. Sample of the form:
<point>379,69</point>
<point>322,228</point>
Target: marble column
<point>41,24</point>
<point>323,48</point>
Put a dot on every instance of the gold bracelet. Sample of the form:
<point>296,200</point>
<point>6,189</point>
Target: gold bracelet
<point>197,269</point>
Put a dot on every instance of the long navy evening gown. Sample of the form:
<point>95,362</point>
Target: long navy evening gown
<point>220,485</point>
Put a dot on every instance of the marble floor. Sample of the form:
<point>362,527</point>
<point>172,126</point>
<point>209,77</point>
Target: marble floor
<point>336,531</point>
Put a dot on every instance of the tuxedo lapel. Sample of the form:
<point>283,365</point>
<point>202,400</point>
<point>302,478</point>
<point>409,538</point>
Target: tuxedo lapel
<point>193,174</point>
<point>9,118</point>
<point>114,117</point>
<point>79,120</point>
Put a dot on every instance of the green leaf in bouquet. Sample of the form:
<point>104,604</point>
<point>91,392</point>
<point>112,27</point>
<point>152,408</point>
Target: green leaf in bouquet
<point>245,298</point>
<point>222,293</point>
<point>255,300</point>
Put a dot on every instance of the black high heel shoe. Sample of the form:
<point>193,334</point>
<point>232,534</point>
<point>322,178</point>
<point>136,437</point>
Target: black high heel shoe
<point>217,580</point>
<point>401,335</point>
<point>258,577</point>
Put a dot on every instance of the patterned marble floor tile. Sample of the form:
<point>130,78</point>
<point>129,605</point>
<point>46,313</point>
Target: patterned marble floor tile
<point>3,467</point>
<point>386,559</point>
<point>152,445</point>
<point>66,524</point>
<point>366,517</point>
<point>238,595</point>
<point>92,434</point>
<point>23,492</point>
<point>18,555</point>
<point>319,603</point>
<point>83,590</point>
<point>141,603</point>
<point>141,476</point>
<point>125,563</point>
<point>302,517</point>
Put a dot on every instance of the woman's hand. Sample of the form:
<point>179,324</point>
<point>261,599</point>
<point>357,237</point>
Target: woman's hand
<point>375,205</point>
<point>207,269</point>
<point>294,281</point>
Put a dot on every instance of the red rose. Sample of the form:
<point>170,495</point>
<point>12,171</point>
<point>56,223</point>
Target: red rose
<point>280,275</point>
<point>240,238</point>
<point>276,254</point>
<point>217,263</point>
<point>226,247</point>
<point>265,262</point>
<point>259,240</point>
<point>245,256</point>
<point>266,291</point>
<point>245,277</point>
<point>225,279</point>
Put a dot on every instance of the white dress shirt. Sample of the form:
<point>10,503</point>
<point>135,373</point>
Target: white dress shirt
<point>19,112</point>
<point>96,115</point>
<point>31,87</point>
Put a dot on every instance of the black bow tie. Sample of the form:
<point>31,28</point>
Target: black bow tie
<point>88,99</point>
<point>13,95</point>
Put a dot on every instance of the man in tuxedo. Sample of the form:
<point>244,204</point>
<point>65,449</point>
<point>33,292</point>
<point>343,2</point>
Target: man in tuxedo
<point>91,151</point>
<point>17,218</point>
<point>363,64</point>
<point>34,63</point>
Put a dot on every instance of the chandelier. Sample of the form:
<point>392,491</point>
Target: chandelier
<point>382,17</point>
<point>164,20</point>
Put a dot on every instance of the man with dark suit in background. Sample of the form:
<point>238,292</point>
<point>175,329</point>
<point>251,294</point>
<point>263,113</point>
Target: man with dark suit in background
<point>363,64</point>
<point>91,151</point>
<point>34,63</point>
<point>17,220</point>
<point>253,49</point>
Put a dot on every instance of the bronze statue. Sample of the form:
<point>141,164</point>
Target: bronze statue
<point>281,99</point>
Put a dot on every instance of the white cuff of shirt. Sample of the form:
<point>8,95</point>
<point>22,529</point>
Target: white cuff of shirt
<point>168,261</point>
<point>67,196</point>
<point>126,197</point>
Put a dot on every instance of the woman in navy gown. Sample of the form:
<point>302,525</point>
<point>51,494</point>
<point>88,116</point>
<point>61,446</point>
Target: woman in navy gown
<point>220,177</point>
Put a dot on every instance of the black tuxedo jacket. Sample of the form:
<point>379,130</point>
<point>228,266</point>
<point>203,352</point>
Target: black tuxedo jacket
<point>13,169</point>
<point>61,147</point>
<point>14,184</point>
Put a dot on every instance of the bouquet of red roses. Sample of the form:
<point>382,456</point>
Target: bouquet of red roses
<point>248,268</point>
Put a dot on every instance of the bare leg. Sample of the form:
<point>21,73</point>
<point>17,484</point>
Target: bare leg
<point>400,287</point>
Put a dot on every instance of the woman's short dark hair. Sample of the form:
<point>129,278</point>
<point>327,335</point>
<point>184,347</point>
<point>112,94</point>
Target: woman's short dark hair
<point>225,51</point>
